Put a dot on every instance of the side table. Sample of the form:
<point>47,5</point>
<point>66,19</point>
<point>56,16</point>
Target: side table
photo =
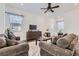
<point>44,39</point>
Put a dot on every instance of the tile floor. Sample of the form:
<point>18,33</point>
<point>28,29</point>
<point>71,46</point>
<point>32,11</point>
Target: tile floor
<point>34,49</point>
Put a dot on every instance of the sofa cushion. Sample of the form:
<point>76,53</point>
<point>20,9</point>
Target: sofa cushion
<point>17,50</point>
<point>2,42</point>
<point>64,42</point>
<point>53,49</point>
<point>54,40</point>
<point>12,42</point>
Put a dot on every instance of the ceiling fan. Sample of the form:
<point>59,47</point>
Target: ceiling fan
<point>49,7</point>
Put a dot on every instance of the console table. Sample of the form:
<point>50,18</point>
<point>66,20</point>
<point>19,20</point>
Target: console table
<point>33,35</point>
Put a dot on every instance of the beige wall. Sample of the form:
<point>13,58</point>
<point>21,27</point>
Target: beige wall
<point>2,18</point>
<point>72,22</point>
<point>50,24</point>
<point>28,19</point>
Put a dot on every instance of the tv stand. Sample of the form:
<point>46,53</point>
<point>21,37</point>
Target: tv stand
<point>33,35</point>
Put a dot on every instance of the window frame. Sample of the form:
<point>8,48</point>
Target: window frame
<point>10,13</point>
<point>57,25</point>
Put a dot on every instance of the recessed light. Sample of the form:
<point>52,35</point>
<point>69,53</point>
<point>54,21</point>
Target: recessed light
<point>22,4</point>
<point>75,4</point>
<point>59,17</point>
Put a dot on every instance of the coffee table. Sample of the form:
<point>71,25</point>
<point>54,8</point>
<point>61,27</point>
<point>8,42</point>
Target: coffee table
<point>44,39</point>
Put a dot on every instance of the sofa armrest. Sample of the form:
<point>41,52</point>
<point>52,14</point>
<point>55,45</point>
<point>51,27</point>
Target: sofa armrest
<point>77,49</point>
<point>54,50</point>
<point>14,50</point>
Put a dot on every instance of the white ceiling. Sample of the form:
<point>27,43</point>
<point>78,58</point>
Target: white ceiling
<point>35,7</point>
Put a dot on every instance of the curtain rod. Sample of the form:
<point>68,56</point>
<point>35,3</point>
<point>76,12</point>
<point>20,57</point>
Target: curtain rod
<point>13,14</point>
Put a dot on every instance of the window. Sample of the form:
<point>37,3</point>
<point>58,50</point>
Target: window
<point>60,25</point>
<point>15,21</point>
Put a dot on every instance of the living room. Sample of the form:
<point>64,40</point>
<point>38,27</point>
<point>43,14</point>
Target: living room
<point>64,18</point>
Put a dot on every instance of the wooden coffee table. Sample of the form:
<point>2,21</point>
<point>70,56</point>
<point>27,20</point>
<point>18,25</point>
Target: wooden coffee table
<point>44,39</point>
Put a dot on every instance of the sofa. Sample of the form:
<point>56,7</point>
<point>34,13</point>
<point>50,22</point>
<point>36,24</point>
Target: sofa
<point>64,46</point>
<point>16,50</point>
<point>13,47</point>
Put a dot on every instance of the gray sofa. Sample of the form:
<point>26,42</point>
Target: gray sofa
<point>16,50</point>
<point>50,49</point>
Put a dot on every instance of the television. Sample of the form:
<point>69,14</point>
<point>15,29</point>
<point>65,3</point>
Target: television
<point>32,27</point>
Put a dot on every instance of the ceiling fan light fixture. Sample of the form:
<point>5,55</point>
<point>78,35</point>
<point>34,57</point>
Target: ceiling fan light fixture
<point>50,8</point>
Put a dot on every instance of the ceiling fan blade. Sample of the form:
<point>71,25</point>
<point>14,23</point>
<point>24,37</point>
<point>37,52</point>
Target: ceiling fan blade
<point>43,8</point>
<point>46,10</point>
<point>55,6</point>
<point>51,10</point>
